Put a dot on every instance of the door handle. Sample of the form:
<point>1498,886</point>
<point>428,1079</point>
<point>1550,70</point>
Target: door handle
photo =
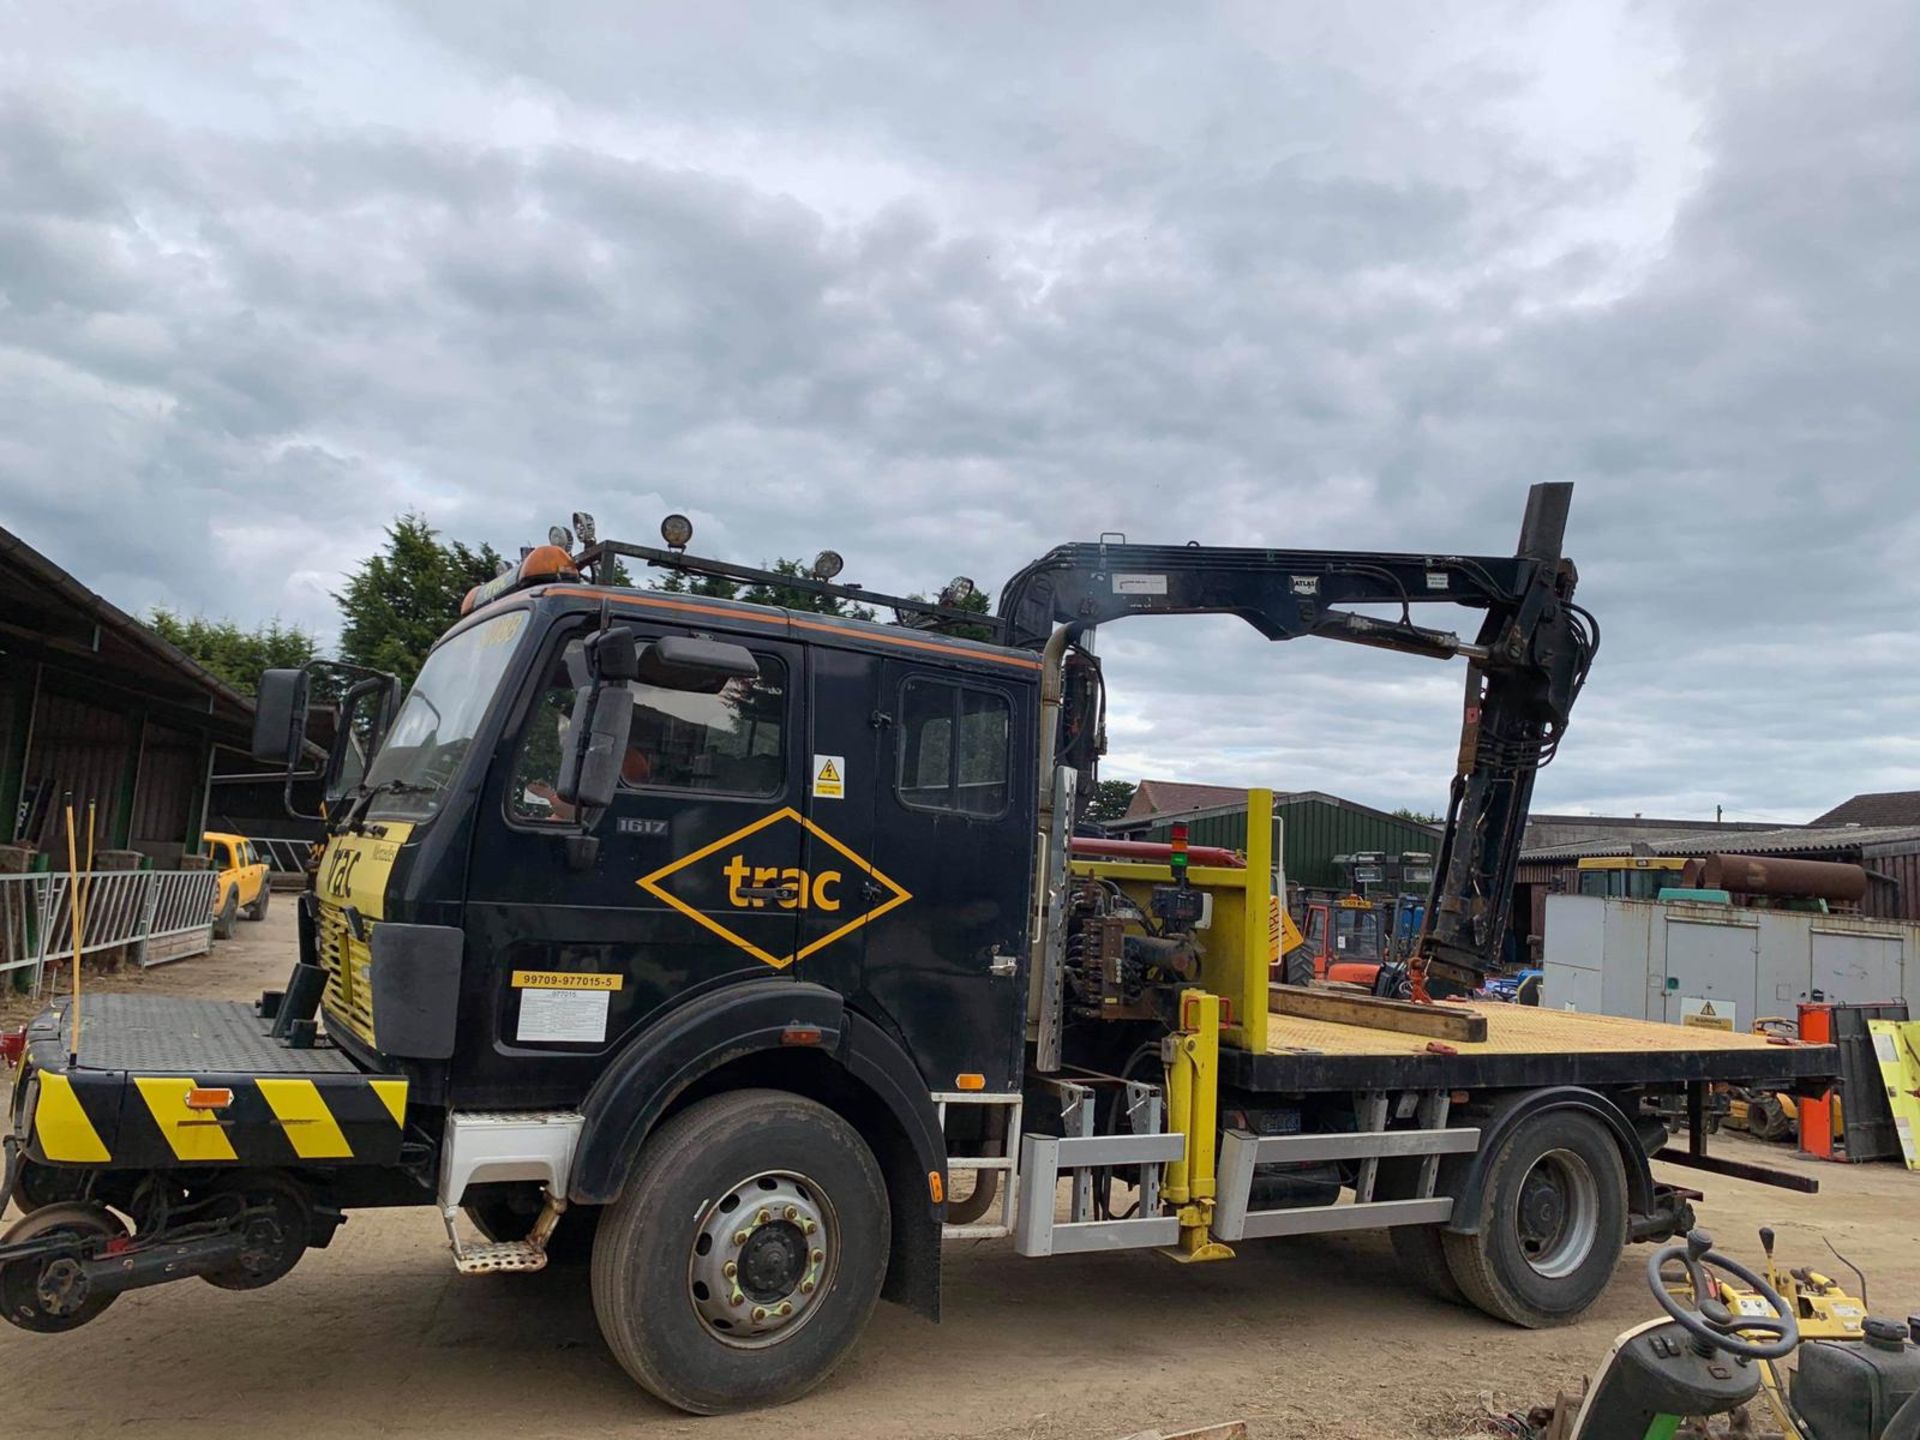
<point>768,892</point>
<point>998,964</point>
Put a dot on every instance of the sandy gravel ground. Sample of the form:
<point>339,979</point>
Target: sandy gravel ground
<point>1310,1337</point>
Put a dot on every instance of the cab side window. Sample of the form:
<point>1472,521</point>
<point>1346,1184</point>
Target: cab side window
<point>954,747</point>
<point>730,742</point>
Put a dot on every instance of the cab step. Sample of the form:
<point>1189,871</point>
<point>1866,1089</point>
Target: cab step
<point>500,1258</point>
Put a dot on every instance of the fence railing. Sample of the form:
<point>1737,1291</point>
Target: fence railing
<point>152,915</point>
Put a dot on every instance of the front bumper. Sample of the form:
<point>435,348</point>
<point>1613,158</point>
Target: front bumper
<point>123,1103</point>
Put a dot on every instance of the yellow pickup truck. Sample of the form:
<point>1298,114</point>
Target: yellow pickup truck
<point>243,890</point>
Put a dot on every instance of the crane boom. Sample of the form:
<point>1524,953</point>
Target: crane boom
<point>1527,660</point>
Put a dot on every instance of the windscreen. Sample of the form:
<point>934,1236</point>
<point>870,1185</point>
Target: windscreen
<point>441,715</point>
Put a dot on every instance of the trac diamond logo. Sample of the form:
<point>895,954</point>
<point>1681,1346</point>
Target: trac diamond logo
<point>751,887</point>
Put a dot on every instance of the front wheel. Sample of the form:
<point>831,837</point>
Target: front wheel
<point>1552,1222</point>
<point>742,1260</point>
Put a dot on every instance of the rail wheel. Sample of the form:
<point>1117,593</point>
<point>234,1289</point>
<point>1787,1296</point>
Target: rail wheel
<point>1552,1222</point>
<point>273,1238</point>
<point>742,1260</point>
<point>48,1296</point>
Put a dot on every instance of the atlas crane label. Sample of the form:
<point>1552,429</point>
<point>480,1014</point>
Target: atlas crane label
<point>736,875</point>
<point>1139,584</point>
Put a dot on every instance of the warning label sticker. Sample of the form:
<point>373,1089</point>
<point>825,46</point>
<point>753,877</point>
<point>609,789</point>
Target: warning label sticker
<point>829,777</point>
<point>1139,584</point>
<point>1705,1014</point>
<point>563,1016</point>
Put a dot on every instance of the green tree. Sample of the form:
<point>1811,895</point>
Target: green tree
<point>237,656</point>
<point>402,599</point>
<point>1418,817</point>
<point>978,604</point>
<point>714,587</point>
<point>1110,800</point>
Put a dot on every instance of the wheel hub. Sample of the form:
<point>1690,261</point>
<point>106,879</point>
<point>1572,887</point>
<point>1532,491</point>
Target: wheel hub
<point>1557,1219</point>
<point>763,1257</point>
<point>1541,1208</point>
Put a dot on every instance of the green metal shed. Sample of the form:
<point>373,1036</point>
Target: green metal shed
<point>1312,827</point>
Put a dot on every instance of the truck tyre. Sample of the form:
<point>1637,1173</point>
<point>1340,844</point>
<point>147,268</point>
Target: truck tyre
<point>1299,967</point>
<point>742,1259</point>
<point>228,920</point>
<point>1553,1221</point>
<point>258,909</point>
<point>1419,1249</point>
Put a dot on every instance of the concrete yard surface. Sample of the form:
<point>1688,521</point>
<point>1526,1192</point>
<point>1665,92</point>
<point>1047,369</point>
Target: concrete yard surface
<point>1314,1337</point>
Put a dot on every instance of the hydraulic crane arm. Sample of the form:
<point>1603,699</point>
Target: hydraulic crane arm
<point>1526,663</point>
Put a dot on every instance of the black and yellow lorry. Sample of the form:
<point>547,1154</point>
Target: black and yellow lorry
<point>742,953</point>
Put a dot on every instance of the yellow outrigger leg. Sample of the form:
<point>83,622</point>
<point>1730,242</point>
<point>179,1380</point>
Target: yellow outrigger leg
<point>1193,1093</point>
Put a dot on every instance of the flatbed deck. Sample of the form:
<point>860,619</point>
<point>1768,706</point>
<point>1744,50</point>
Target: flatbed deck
<point>1525,1046</point>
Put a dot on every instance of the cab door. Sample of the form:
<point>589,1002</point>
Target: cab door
<point>940,805</point>
<point>693,886</point>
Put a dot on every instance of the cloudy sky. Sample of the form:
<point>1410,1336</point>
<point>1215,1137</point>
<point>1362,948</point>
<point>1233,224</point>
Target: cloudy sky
<point>945,285</point>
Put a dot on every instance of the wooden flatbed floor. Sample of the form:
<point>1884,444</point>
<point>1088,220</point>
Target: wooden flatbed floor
<point>1525,1046</point>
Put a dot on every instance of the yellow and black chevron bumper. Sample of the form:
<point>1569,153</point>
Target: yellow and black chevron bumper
<point>161,1084</point>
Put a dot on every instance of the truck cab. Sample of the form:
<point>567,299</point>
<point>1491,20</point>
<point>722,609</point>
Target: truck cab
<point>859,794</point>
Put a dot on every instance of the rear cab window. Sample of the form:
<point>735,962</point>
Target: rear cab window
<point>955,747</point>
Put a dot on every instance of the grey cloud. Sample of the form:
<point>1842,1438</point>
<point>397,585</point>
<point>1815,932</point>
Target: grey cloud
<point>943,294</point>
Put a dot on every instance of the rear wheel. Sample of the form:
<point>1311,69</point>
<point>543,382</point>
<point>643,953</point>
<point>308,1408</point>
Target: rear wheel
<point>1418,1248</point>
<point>1299,967</point>
<point>228,919</point>
<point>1552,1222</point>
<point>258,909</point>
<point>743,1258</point>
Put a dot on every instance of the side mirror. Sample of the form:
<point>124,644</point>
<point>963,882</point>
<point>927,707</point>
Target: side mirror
<point>280,717</point>
<point>590,765</point>
<point>682,662</point>
<point>366,713</point>
<point>613,655</point>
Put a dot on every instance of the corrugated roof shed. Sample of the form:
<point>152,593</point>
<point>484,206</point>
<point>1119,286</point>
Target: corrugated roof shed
<point>1879,807</point>
<point>1787,840</point>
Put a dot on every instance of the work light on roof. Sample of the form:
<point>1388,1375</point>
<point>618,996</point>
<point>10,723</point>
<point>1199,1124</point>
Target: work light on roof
<point>584,527</point>
<point>827,564</point>
<point>676,530</point>
<point>561,536</point>
<point>958,591</point>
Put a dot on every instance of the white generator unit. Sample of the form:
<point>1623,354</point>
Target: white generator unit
<point>1718,965</point>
